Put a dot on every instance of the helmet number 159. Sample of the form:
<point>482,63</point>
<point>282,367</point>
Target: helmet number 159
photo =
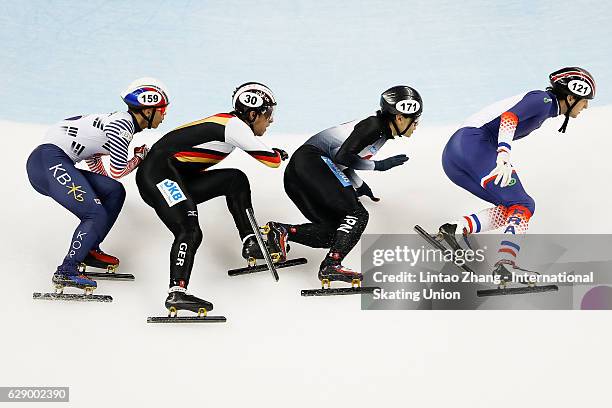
<point>148,98</point>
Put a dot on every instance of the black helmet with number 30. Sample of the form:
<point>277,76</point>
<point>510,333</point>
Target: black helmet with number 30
<point>401,100</point>
<point>574,81</point>
<point>253,96</point>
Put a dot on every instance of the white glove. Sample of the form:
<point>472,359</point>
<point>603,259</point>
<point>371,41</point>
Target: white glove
<point>502,171</point>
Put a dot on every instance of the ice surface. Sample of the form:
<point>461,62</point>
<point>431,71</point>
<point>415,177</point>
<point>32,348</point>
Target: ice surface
<point>278,348</point>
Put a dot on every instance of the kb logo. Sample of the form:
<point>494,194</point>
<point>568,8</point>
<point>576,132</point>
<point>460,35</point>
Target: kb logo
<point>171,192</point>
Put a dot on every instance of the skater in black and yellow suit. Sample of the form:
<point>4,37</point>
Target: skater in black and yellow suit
<point>175,178</point>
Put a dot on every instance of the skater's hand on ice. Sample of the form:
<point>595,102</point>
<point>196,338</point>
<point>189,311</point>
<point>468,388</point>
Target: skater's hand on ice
<point>283,154</point>
<point>365,190</point>
<point>503,170</point>
<point>141,151</point>
<point>390,162</point>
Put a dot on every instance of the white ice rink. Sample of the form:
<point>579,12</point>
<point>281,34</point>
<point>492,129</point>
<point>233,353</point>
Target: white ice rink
<point>280,349</point>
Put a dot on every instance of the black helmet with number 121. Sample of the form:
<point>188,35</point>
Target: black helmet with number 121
<point>574,81</point>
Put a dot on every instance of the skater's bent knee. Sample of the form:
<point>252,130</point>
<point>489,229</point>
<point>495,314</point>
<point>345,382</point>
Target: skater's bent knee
<point>190,233</point>
<point>530,204</point>
<point>119,192</point>
<point>361,213</point>
<point>525,202</point>
<point>240,181</point>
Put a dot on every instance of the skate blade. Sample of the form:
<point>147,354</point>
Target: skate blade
<point>340,291</point>
<point>111,276</point>
<point>517,291</point>
<point>72,297</point>
<point>438,245</point>
<point>187,319</point>
<point>263,267</point>
<point>431,239</point>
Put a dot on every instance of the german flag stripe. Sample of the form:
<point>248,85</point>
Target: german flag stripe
<point>271,159</point>
<point>219,118</point>
<point>187,159</point>
<point>207,155</point>
<point>198,157</point>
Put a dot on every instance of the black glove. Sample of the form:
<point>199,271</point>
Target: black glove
<point>366,191</point>
<point>390,162</point>
<point>283,154</point>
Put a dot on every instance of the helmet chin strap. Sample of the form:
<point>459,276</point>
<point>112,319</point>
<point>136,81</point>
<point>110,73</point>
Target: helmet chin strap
<point>567,114</point>
<point>397,131</point>
<point>149,119</point>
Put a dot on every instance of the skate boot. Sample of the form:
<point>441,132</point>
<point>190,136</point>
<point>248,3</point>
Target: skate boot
<point>98,259</point>
<point>337,272</point>
<point>69,276</point>
<point>179,299</point>
<point>502,270</point>
<point>251,250</point>
<point>277,241</point>
<point>447,233</point>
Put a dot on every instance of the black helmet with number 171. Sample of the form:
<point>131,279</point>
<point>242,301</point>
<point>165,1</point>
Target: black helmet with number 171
<point>401,100</point>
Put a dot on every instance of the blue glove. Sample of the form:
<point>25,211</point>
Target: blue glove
<point>390,162</point>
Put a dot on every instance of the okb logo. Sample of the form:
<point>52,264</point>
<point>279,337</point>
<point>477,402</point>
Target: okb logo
<point>171,191</point>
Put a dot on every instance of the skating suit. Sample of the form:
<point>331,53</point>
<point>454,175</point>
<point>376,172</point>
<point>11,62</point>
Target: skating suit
<point>94,197</point>
<point>176,177</point>
<point>321,180</point>
<point>470,154</point>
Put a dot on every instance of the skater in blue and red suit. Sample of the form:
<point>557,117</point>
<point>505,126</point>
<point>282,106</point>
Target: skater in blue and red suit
<point>94,196</point>
<point>477,158</point>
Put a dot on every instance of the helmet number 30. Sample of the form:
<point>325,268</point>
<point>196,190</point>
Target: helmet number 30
<point>149,98</point>
<point>578,87</point>
<point>408,106</point>
<point>251,99</point>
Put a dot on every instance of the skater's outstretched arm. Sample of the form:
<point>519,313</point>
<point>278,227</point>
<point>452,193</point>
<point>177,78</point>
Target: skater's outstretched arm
<point>240,135</point>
